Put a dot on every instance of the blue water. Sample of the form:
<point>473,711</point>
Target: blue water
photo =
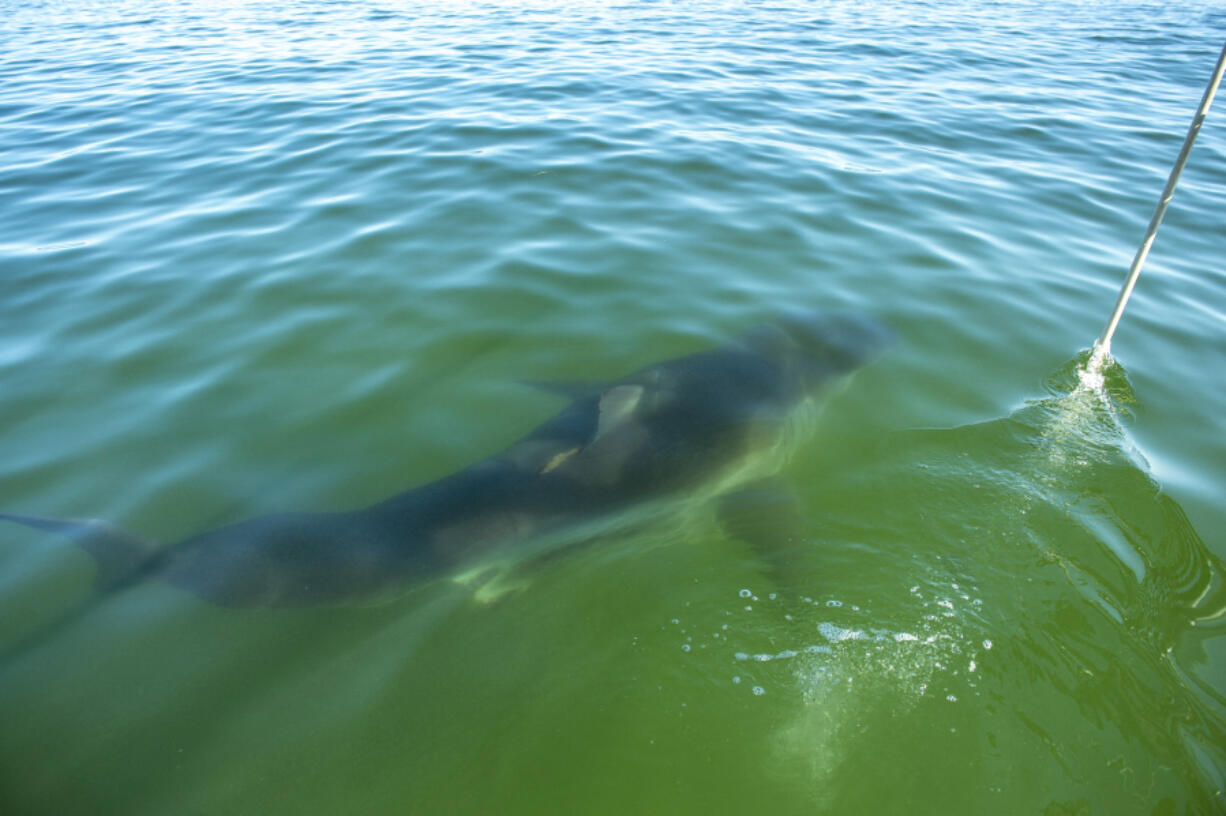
<point>263,257</point>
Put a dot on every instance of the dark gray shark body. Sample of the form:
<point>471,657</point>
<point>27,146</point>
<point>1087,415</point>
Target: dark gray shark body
<point>689,425</point>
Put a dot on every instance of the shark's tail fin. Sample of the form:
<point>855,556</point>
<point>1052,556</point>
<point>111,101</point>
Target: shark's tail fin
<point>119,555</point>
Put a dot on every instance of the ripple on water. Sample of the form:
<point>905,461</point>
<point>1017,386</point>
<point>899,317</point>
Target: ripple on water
<point>299,255</point>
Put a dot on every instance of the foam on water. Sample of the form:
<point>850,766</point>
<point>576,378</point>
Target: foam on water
<point>833,664</point>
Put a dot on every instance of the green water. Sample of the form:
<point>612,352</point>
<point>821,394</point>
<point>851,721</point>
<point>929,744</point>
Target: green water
<point>263,257</point>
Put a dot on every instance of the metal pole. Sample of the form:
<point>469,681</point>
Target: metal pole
<point>1102,347</point>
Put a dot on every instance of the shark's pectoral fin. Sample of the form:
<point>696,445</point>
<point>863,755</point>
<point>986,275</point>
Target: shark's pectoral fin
<point>788,543</point>
<point>491,583</point>
<point>765,515</point>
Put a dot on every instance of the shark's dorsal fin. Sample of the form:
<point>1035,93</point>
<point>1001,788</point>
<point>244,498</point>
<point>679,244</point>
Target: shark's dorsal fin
<point>617,405</point>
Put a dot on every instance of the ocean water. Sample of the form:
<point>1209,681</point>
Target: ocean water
<point>267,257</point>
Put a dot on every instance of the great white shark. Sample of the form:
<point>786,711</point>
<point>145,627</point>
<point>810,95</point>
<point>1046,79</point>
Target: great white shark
<point>701,425</point>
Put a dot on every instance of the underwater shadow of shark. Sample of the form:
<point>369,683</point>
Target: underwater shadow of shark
<point>702,424</point>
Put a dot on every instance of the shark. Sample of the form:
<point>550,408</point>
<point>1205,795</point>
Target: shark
<point>698,426</point>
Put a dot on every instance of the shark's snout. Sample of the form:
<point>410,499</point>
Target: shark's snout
<point>820,345</point>
<point>839,342</point>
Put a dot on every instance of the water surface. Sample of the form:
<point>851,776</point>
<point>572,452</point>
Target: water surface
<point>262,257</point>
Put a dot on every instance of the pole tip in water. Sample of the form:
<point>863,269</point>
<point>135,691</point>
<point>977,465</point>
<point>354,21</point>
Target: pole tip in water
<point>1091,375</point>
